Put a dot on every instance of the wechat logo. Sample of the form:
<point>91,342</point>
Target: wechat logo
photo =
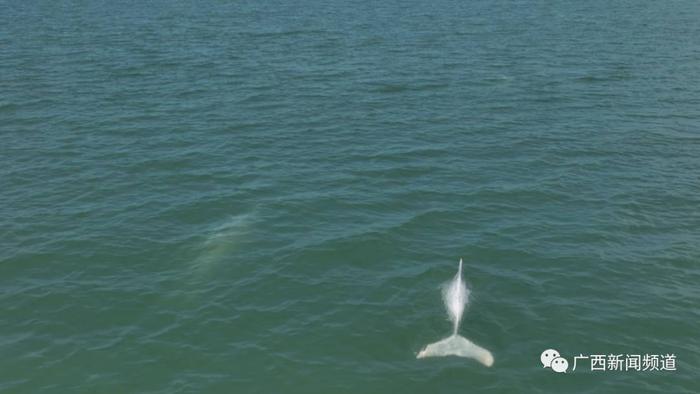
<point>551,358</point>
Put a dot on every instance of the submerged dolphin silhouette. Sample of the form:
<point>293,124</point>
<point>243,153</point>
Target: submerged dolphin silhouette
<point>455,295</point>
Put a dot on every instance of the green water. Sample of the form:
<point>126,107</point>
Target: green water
<point>264,197</point>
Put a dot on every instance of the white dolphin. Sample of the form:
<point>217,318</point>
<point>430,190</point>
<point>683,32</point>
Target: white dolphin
<point>455,295</point>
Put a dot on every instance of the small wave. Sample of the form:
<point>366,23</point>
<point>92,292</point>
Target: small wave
<point>398,88</point>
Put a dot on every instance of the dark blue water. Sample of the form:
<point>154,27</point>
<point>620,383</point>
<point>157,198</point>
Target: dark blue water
<point>264,197</point>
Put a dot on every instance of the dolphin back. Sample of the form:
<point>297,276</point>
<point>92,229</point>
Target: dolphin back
<point>455,295</point>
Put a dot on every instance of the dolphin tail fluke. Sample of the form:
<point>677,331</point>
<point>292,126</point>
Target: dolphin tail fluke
<point>457,345</point>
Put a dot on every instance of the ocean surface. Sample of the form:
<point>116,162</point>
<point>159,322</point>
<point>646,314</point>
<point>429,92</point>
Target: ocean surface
<point>266,196</point>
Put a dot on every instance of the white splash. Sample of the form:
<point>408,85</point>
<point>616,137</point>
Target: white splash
<point>456,295</point>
